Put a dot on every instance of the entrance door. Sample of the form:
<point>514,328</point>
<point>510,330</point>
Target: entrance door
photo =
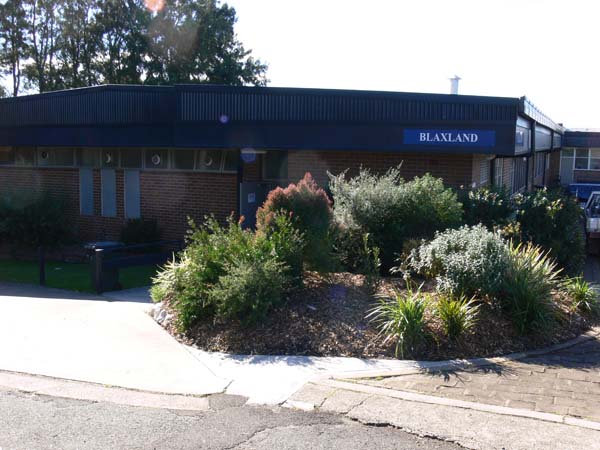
<point>567,162</point>
<point>253,195</point>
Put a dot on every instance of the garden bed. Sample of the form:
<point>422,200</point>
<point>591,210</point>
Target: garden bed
<point>326,317</point>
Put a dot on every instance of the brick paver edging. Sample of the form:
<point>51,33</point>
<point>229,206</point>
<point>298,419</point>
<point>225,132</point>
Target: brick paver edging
<point>326,386</point>
<point>460,364</point>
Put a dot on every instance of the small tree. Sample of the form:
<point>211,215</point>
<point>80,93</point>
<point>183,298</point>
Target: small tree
<point>33,220</point>
<point>310,210</point>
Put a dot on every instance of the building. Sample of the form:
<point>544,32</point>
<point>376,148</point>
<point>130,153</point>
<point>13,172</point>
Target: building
<point>580,157</point>
<point>122,152</point>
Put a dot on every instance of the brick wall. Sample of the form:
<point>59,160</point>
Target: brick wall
<point>166,196</point>
<point>553,172</point>
<point>170,197</point>
<point>456,170</point>
<point>64,182</point>
<point>586,176</point>
<point>476,171</point>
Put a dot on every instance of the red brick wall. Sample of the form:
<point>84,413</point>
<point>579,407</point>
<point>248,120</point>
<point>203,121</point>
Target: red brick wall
<point>166,196</point>
<point>456,170</point>
<point>64,182</point>
<point>172,196</point>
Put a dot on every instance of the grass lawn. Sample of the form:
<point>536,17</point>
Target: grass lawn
<point>72,276</point>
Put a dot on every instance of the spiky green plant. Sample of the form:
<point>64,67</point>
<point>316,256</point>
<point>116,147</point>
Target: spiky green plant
<point>528,283</point>
<point>401,318</point>
<point>458,315</point>
<point>584,296</point>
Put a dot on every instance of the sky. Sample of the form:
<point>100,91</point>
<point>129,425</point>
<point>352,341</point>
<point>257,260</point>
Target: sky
<point>544,49</point>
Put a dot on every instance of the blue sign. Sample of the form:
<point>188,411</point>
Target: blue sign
<point>450,138</point>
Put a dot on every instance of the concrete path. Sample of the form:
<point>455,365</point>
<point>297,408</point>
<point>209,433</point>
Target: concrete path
<point>88,338</point>
<point>111,340</point>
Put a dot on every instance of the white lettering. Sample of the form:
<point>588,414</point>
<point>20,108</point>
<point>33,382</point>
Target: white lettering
<point>449,136</point>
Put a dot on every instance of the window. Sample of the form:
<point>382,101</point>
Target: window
<point>110,158</point>
<point>231,160</point>
<point>484,172</point>
<point>131,194</point>
<point>157,159</point>
<point>594,159</point>
<point>275,165</point>
<point>519,174</point>
<point>50,156</point>
<point>131,158</point>
<point>210,160</point>
<point>540,161</point>
<point>184,159</point>
<point>86,191</point>
<point>24,156</point>
<point>581,158</point>
<point>87,157</point>
<point>108,192</point>
<point>498,171</point>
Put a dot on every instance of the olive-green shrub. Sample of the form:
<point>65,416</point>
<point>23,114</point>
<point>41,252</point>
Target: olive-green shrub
<point>391,210</point>
<point>229,273</point>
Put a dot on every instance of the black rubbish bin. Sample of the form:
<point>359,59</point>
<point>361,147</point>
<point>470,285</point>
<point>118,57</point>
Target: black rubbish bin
<point>103,278</point>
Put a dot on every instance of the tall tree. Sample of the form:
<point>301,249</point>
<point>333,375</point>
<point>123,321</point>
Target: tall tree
<point>122,26</point>
<point>193,41</point>
<point>77,45</point>
<point>12,41</point>
<point>42,35</point>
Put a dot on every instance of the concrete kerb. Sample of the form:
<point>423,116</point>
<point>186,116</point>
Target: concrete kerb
<point>458,364</point>
<point>94,392</point>
<point>345,381</point>
<point>442,401</point>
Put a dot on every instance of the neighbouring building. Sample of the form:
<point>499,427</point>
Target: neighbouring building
<point>166,153</point>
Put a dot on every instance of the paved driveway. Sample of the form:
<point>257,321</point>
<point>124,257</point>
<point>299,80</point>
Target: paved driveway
<point>88,338</point>
<point>566,382</point>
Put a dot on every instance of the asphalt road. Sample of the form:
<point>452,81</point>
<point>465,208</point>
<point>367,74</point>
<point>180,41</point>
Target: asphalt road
<point>36,422</point>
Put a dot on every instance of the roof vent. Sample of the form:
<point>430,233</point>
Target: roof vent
<point>454,85</point>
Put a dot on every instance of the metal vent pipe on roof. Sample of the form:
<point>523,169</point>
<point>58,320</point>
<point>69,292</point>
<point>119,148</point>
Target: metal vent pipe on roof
<point>454,85</point>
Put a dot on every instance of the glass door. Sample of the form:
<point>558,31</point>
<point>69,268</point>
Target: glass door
<point>567,163</point>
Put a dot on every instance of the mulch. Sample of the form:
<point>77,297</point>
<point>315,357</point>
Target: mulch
<point>326,317</point>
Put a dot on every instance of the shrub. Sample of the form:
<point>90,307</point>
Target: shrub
<point>458,315</point>
<point>530,278</point>
<point>552,220</point>
<point>140,231</point>
<point>248,289</point>
<point>584,297</point>
<point>227,272</point>
<point>392,210</point>
<point>310,209</point>
<point>466,261</point>
<point>488,206</point>
<point>401,319</point>
<point>287,243</point>
<point>356,252</point>
<point>33,220</point>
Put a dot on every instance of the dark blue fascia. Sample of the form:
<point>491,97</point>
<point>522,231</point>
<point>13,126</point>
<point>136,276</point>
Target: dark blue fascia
<point>584,139</point>
<point>290,118</point>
